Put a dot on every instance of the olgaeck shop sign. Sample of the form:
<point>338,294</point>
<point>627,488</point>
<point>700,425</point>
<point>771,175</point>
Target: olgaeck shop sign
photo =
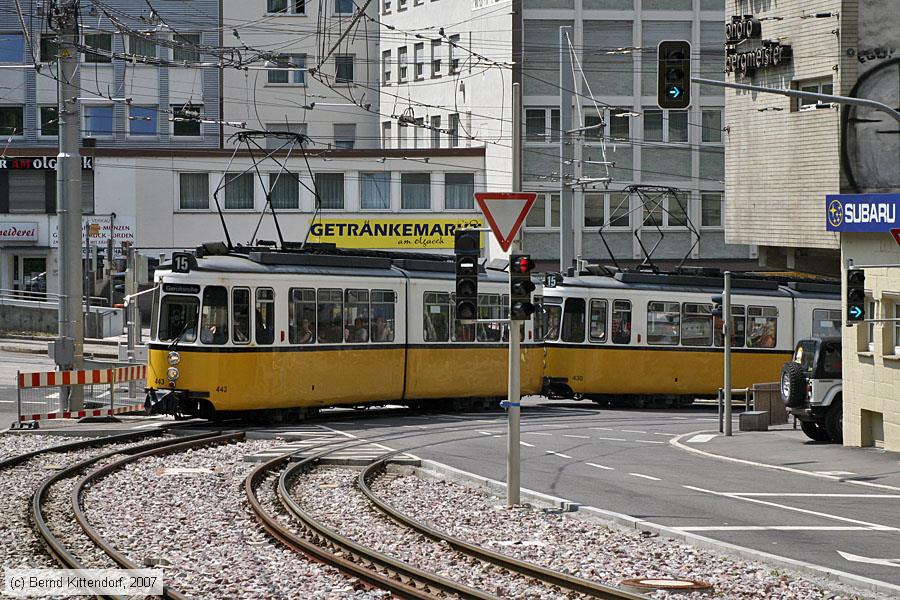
<point>862,212</point>
<point>771,53</point>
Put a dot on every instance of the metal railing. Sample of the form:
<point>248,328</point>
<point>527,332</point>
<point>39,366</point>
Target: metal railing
<point>32,296</point>
<point>749,403</point>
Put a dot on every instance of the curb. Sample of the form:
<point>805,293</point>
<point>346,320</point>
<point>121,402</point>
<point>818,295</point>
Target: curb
<point>435,469</point>
<point>43,351</point>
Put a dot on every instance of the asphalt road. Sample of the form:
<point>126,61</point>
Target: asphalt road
<point>621,461</point>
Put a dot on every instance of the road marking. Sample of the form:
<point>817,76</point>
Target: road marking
<point>885,562</point>
<point>645,476</point>
<point>583,437</point>
<point>148,425</point>
<point>775,528</point>
<point>487,432</point>
<point>681,418</point>
<point>835,472</point>
<point>703,437</point>
<point>413,426</point>
<point>811,495</point>
<point>793,508</point>
<point>560,454</point>
<point>536,433</point>
<point>609,439</point>
<point>648,442</point>
<point>600,466</point>
<point>602,428</point>
<point>633,431</point>
<point>526,444</point>
<point>7,401</point>
<point>661,433</point>
<point>707,419</point>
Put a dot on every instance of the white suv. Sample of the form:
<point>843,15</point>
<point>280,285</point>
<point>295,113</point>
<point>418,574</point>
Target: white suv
<point>811,388</point>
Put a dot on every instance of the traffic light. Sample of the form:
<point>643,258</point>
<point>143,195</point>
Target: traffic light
<point>520,287</point>
<point>856,295</point>
<point>673,89</point>
<point>467,247</point>
<point>717,306</point>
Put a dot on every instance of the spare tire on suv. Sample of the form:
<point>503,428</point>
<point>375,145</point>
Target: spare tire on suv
<point>793,385</point>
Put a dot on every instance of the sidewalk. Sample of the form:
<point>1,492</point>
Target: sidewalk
<point>787,449</point>
<point>106,348</point>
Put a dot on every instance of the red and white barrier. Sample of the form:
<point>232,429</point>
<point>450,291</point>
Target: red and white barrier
<point>96,412</point>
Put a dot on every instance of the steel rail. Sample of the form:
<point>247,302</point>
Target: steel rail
<point>53,544</point>
<point>569,582</point>
<point>15,461</point>
<point>393,583</point>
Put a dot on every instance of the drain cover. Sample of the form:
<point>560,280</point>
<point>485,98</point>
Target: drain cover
<point>663,583</point>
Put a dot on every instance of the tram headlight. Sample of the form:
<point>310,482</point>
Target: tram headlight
<point>172,373</point>
<point>174,358</point>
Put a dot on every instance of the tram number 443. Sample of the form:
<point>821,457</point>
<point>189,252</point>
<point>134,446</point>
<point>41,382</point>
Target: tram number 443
<point>222,389</point>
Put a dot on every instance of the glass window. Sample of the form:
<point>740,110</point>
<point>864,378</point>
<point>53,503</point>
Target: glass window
<point>598,320</point>
<point>386,67</point>
<point>11,120</point>
<point>142,120</point>
<point>678,210</point>
<point>383,302</point>
<point>419,60</point>
<point>870,327</point>
<point>535,125</point>
<point>279,75</point>
<point>402,63</point>
<point>276,6</point>
<point>619,124</point>
<point>653,213</point>
<point>436,131</point>
<point>435,58</point>
<point>284,191</point>
<point>436,316</point>
<point>178,318</point>
<point>593,210</point>
<point>343,68</point>
<point>762,322</point>
<point>552,318</point>
<point>186,120</point>
<point>738,323</point>
<point>454,53</point>
<point>154,313</point>
<point>343,7</point>
<point>678,126</point>
<point>188,50</point>
<point>653,125</point>
<point>344,135</point>
<point>826,323</point>
<point>595,122</point>
<point>663,323</point>
<point>331,309</point>
<point>453,130</point>
<point>375,190</point>
<point>554,210</point>
<point>302,316</point>
<point>536,216</point>
<point>619,213</point>
<point>239,191</point>
<point>48,48</point>
<point>460,332</point>
<point>696,325</point>
<point>573,321</point>
<point>555,128</point>
<point>240,315</point>
<point>711,125</point>
<point>489,308</point>
<point>330,189</point>
<point>897,328</point>
<point>98,120</point>
<point>459,189</point>
<point>265,316</point>
<point>101,42</point>
<point>193,191</point>
<point>415,191</point>
<point>711,209</point>
<point>142,45</point>
<point>214,316</point>
<point>12,48</point>
<point>539,318</point>
<point>620,327</point>
<point>292,69</point>
<point>356,316</point>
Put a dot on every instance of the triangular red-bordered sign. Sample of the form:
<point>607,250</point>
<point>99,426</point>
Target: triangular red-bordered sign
<point>505,213</point>
<point>896,234</point>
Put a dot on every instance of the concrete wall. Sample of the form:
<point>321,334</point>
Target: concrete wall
<point>37,317</point>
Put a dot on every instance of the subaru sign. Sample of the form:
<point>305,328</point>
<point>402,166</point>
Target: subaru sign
<point>862,212</point>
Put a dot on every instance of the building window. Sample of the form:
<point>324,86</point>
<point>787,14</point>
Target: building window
<point>102,42</point>
<point>677,209</point>
<point>345,135</point>
<point>12,48</point>
<point>98,120</point>
<point>386,135</point>
<point>292,71</point>
<point>193,191</point>
<point>401,5</point>
<point>385,6</point>
<point>653,214</point>
<point>294,7</point>
<point>459,190</point>
<point>48,48</point>
<point>375,191</point>
<point>419,58</point>
<point>141,45</point>
<point>343,68</point>
<point>49,120</point>
<point>454,130</point>
<point>386,67</point>
<point>816,86</point>
<point>330,187</point>
<point>711,124</point>
<point>343,7</point>
<point>186,120</point>
<point>273,142</point>
<point>535,125</point>
<point>653,125</point>
<point>11,120</point>
<point>711,209</point>
<point>593,127</point>
<point>870,327</point>
<point>284,191</point>
<point>897,329</point>
<point>239,188</point>
<point>619,124</point>
<point>593,210</point>
<point>188,50</point>
<point>619,210</point>
<point>415,191</point>
<point>678,126</point>
<point>436,131</point>
<point>142,120</point>
<point>435,58</point>
<point>402,63</point>
<point>454,54</point>
<point>544,212</point>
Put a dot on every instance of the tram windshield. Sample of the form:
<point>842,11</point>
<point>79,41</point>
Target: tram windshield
<point>178,318</point>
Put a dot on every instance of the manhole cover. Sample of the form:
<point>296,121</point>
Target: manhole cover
<point>662,583</point>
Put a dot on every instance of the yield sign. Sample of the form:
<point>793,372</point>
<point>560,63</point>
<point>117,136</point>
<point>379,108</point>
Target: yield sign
<point>896,234</point>
<point>505,213</point>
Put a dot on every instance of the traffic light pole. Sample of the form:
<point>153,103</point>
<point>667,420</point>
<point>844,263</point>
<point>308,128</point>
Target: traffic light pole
<point>726,334</point>
<point>514,398</point>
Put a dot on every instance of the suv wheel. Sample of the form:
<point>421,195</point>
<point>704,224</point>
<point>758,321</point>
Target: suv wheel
<point>793,385</point>
<point>815,431</point>
<point>834,422</point>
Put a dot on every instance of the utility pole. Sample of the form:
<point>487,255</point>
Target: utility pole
<point>566,150</point>
<point>69,350</point>
<point>726,333</point>
<point>514,410</point>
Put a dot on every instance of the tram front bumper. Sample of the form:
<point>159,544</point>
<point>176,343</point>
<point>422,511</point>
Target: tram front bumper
<point>167,404</point>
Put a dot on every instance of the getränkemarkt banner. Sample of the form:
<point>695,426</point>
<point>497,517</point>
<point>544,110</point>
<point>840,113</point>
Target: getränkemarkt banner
<point>390,234</point>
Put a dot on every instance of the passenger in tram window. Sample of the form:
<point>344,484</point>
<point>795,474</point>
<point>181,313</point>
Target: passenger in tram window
<point>306,335</point>
<point>381,331</point>
<point>553,326</point>
<point>358,332</point>
<point>464,332</point>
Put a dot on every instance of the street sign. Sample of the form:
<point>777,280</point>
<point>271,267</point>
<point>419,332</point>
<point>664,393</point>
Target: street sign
<point>896,234</point>
<point>505,213</point>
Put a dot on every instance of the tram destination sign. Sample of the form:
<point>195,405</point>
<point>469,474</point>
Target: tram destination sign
<point>862,212</point>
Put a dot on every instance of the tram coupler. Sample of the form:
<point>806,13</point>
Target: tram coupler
<point>167,405</point>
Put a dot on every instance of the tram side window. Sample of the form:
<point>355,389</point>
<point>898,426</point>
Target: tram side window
<point>489,308</point>
<point>599,310</point>
<point>739,324</point>
<point>539,318</point>
<point>331,326</point>
<point>178,318</point>
<point>356,316</point>
<point>154,313</point>
<point>436,317</point>
<point>302,316</point>
<point>460,332</point>
<point>621,322</point>
<point>265,316</point>
<point>763,326</point>
<point>696,324</point>
<point>214,316</point>
<point>240,315</point>
<point>573,321</point>
<point>826,323</point>
<point>552,318</point>
<point>663,323</point>
<point>383,302</point>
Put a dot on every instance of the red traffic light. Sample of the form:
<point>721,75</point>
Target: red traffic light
<point>521,264</point>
